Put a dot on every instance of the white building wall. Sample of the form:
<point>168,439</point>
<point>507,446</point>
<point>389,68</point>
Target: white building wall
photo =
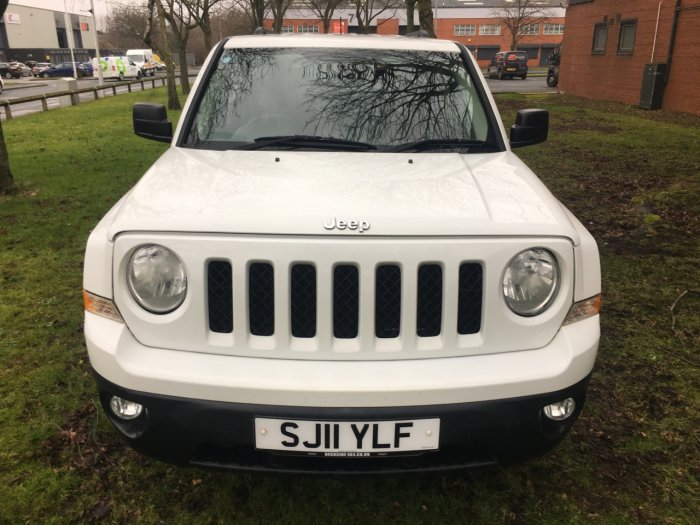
<point>30,27</point>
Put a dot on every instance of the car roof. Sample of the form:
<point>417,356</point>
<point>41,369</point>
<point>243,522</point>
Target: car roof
<point>348,41</point>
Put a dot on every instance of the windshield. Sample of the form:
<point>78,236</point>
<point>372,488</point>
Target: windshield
<point>380,98</point>
<point>136,58</point>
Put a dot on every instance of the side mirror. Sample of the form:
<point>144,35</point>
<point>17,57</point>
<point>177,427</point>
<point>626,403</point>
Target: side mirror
<point>531,127</point>
<point>151,122</point>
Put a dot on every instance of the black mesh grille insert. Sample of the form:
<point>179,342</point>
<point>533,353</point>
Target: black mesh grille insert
<point>220,297</point>
<point>469,309</point>
<point>303,297</point>
<point>387,304</point>
<point>346,301</point>
<point>429,316</point>
<point>261,299</point>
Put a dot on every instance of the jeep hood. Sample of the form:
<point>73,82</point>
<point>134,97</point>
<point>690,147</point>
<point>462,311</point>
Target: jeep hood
<point>297,192</point>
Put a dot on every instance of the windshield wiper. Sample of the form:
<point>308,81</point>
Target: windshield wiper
<point>428,144</point>
<point>301,141</point>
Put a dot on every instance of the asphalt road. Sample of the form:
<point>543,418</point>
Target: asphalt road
<point>27,87</point>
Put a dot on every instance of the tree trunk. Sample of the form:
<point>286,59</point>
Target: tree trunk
<point>184,78</point>
<point>206,29</point>
<point>425,15</point>
<point>326,25</point>
<point>173,100</point>
<point>410,14</point>
<point>7,182</point>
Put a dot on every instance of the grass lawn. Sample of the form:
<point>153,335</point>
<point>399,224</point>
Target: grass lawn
<point>632,177</point>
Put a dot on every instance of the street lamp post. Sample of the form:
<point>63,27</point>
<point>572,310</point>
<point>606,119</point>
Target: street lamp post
<point>69,37</point>
<point>100,78</point>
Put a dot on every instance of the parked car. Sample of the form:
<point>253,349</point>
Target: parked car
<point>38,66</point>
<point>508,64</point>
<point>64,69</point>
<point>25,69</point>
<point>553,70</point>
<point>320,275</point>
<point>117,67</point>
<point>88,68</point>
<point>9,71</point>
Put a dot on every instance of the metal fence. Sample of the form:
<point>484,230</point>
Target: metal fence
<point>74,94</point>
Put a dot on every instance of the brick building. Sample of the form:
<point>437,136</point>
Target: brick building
<point>472,22</point>
<point>609,46</point>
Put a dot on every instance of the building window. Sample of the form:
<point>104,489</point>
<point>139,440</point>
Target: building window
<point>600,38</point>
<point>531,29</point>
<point>287,29</point>
<point>628,31</point>
<point>465,30</point>
<point>554,29</point>
<point>490,29</point>
<point>307,29</point>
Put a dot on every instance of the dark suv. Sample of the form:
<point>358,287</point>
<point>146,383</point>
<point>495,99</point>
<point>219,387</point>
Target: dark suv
<point>508,64</point>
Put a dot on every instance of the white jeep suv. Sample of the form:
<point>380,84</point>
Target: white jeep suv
<point>340,266</point>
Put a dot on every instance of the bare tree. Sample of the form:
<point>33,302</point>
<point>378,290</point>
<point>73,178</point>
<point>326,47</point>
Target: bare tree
<point>368,10</point>
<point>425,16</point>
<point>278,8</point>
<point>201,11</point>
<point>255,11</point>
<point>519,15</point>
<point>163,48</point>
<point>125,26</point>
<point>410,14</point>
<point>178,15</point>
<point>324,9</point>
<point>7,182</point>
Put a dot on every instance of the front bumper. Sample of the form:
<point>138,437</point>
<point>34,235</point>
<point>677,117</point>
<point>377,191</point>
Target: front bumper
<point>222,435</point>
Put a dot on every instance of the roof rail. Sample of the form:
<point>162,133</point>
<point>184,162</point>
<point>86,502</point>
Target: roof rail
<point>263,31</point>
<point>421,33</point>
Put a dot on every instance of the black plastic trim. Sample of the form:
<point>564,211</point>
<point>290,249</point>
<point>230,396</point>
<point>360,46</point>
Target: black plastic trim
<point>221,435</point>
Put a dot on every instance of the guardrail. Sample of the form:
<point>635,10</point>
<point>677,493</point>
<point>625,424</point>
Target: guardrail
<point>74,94</point>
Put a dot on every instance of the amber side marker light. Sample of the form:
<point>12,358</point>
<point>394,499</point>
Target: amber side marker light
<point>584,309</point>
<point>101,306</point>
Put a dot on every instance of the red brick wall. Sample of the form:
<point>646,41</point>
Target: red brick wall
<point>613,76</point>
<point>682,89</point>
<point>387,26</point>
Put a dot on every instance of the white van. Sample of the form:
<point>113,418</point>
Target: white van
<point>144,59</point>
<point>119,67</point>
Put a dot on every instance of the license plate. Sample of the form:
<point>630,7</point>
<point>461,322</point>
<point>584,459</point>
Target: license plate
<point>511,69</point>
<point>347,438</point>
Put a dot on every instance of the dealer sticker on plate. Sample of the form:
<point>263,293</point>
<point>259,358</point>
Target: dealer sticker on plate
<point>347,438</point>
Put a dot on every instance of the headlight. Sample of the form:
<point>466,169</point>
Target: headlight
<point>157,279</point>
<point>531,281</point>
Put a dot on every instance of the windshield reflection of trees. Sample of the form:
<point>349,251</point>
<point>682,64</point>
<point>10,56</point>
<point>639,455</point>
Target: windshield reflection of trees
<point>380,97</point>
<point>398,97</point>
<point>230,84</point>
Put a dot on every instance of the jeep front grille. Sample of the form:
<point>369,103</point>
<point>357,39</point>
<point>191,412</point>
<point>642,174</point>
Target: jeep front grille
<point>346,304</point>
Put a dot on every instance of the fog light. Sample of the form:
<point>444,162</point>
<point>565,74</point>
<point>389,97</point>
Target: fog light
<point>125,409</point>
<point>560,410</point>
